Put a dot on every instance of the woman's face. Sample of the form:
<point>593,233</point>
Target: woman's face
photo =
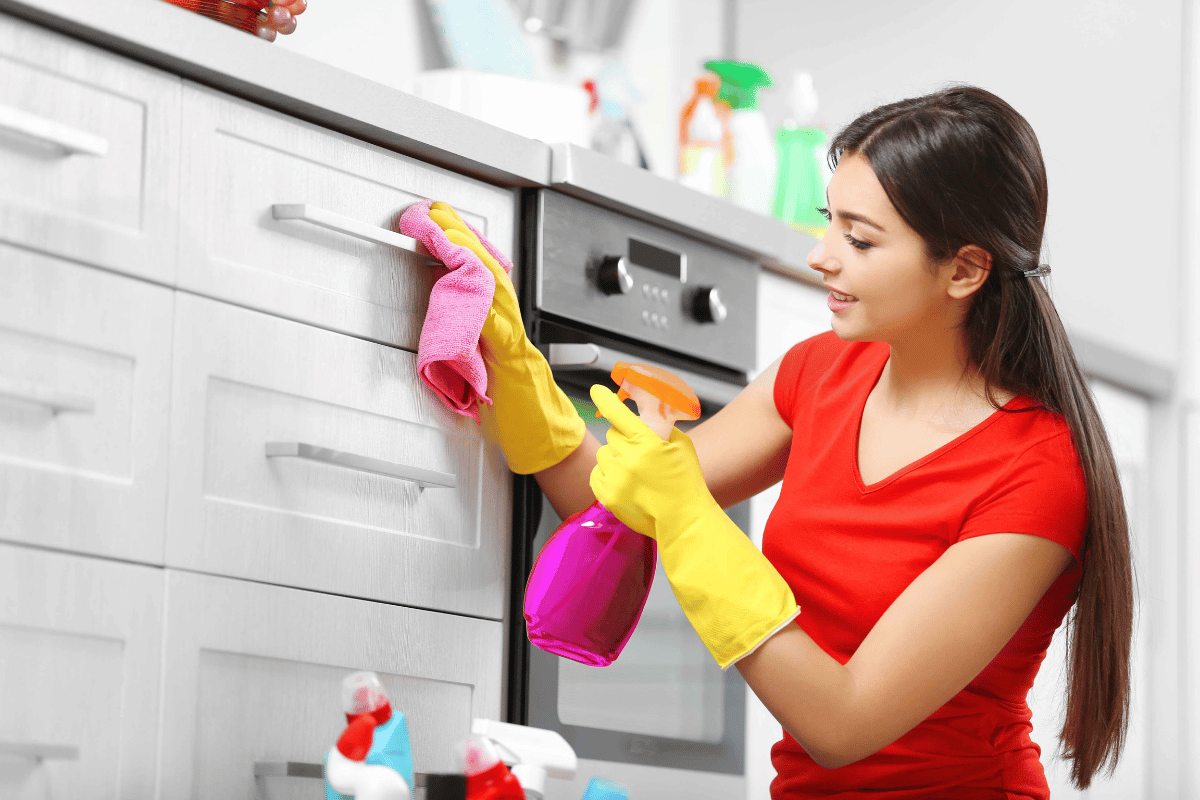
<point>871,254</point>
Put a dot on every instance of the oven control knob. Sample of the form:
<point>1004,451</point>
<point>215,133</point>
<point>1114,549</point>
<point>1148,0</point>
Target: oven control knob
<point>707,305</point>
<point>613,276</point>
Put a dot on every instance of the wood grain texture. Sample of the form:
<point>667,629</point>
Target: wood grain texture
<point>118,210</point>
<point>93,482</point>
<point>239,160</point>
<point>254,673</point>
<point>242,379</point>
<point>80,653</point>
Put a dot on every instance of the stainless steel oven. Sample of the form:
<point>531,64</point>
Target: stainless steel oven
<point>599,287</point>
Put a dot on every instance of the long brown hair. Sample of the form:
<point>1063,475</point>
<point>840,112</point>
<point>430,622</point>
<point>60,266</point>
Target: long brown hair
<point>961,166</point>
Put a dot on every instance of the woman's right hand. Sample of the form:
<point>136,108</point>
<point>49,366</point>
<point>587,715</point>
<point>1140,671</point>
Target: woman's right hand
<point>530,418</point>
<point>503,331</point>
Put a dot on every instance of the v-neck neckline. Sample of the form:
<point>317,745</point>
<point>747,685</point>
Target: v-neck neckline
<point>866,488</point>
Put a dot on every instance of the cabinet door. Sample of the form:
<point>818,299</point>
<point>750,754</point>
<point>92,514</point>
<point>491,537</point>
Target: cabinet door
<point>306,458</point>
<point>254,675</point>
<point>80,647</point>
<point>89,153</point>
<point>84,386</point>
<point>340,266</point>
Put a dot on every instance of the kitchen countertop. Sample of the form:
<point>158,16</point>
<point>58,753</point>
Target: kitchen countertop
<point>207,52</point>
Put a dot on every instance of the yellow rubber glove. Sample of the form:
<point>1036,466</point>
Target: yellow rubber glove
<point>733,596</point>
<point>530,418</point>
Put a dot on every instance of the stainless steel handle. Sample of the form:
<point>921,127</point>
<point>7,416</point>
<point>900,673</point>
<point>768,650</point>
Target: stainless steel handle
<point>71,141</point>
<point>39,751</point>
<point>568,357</point>
<point>35,395</point>
<point>315,215</point>
<point>418,475</point>
<point>288,769</point>
<point>301,769</point>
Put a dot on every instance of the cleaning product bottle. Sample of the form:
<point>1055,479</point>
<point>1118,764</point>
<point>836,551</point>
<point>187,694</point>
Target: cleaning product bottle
<point>751,172</point>
<point>705,142</point>
<point>589,584</point>
<point>488,778</point>
<point>604,789</point>
<point>803,171</point>
<point>366,706</point>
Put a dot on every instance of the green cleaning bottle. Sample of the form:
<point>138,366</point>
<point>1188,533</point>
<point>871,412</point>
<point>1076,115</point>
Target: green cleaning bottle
<point>751,171</point>
<point>803,174</point>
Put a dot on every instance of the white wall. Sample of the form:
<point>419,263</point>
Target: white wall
<point>665,45</point>
<point>1099,80</point>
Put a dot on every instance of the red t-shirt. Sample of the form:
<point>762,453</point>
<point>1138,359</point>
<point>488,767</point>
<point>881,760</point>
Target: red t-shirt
<point>848,550</point>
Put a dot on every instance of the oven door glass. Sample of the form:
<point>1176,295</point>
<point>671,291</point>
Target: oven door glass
<point>664,701</point>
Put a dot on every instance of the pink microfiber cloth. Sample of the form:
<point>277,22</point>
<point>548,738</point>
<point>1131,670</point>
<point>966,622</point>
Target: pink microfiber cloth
<point>448,357</point>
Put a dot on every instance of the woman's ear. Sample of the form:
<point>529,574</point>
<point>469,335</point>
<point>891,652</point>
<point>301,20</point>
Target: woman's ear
<point>969,267</point>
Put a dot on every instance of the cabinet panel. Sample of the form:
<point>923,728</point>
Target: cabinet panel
<point>240,161</point>
<point>89,153</point>
<point>284,435</point>
<point>84,387</point>
<point>255,675</point>
<point>80,643</point>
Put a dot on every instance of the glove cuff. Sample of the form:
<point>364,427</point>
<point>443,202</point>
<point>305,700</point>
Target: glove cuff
<point>530,418</point>
<point>733,596</point>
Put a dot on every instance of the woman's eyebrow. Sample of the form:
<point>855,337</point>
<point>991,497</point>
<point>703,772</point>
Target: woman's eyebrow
<point>853,217</point>
<point>850,215</point>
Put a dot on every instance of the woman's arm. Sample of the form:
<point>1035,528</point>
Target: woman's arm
<point>930,643</point>
<point>742,449</point>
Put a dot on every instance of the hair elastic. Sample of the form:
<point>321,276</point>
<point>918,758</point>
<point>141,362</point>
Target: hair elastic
<point>1041,271</point>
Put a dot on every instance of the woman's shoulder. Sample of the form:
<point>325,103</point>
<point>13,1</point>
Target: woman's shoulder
<point>823,359</point>
<point>817,354</point>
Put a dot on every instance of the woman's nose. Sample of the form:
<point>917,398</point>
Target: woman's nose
<point>817,259</point>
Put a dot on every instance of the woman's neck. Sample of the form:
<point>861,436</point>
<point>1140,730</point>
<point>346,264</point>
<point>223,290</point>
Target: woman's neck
<point>933,373</point>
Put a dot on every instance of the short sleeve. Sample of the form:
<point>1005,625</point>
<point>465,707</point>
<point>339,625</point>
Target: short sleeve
<point>801,363</point>
<point>1043,494</point>
<point>786,380</point>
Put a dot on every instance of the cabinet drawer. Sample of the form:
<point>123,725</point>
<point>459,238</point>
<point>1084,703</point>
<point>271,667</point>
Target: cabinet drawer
<point>80,647</point>
<point>240,161</point>
<point>84,385</point>
<point>255,672</point>
<point>327,515</point>
<point>89,153</point>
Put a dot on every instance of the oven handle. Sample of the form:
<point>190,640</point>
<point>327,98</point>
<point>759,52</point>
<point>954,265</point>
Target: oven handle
<point>566,357</point>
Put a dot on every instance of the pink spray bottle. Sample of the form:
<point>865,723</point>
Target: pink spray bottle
<point>590,582</point>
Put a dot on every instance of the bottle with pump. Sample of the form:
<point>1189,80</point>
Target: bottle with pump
<point>803,171</point>
<point>705,142</point>
<point>534,754</point>
<point>752,170</point>
<point>590,582</point>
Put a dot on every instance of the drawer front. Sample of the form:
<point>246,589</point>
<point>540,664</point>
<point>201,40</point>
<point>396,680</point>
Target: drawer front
<point>240,161</point>
<point>324,513</point>
<point>80,649</point>
<point>255,672</point>
<point>85,381</point>
<point>89,153</point>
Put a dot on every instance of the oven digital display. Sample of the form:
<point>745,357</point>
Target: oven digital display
<point>673,265</point>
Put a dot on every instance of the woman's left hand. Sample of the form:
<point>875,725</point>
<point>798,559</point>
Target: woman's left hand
<point>643,480</point>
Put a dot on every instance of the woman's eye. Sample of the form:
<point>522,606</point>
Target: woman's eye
<point>824,212</point>
<point>857,244</point>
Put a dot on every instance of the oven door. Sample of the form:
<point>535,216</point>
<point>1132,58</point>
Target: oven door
<point>664,702</point>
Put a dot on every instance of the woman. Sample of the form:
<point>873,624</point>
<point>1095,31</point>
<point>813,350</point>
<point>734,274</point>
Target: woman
<point>948,490</point>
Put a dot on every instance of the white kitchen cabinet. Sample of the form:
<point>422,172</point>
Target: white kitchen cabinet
<point>85,378</point>
<point>80,649</point>
<point>254,675</point>
<point>339,264</point>
<point>88,151</point>
<point>305,458</point>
